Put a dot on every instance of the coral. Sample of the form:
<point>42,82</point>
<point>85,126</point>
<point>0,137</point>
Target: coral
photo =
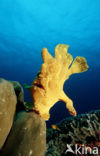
<point>8,103</point>
<point>27,136</point>
<point>47,88</point>
<point>21,133</point>
<point>19,94</point>
<point>82,129</point>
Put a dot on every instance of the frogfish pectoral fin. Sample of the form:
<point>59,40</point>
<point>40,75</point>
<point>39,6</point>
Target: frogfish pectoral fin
<point>69,104</point>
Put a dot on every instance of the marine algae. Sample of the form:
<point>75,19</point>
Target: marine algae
<point>47,88</point>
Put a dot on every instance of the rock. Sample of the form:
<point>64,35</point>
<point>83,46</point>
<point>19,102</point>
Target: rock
<point>20,95</point>
<point>82,129</point>
<point>27,137</point>
<point>7,109</point>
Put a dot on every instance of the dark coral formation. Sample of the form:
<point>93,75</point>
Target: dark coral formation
<point>83,129</point>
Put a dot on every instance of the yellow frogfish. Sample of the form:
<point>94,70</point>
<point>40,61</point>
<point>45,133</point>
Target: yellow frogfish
<point>47,88</point>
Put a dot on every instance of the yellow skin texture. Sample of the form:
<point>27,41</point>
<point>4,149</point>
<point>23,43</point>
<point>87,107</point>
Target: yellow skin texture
<point>47,88</point>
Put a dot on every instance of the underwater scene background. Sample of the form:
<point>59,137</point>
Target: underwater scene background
<point>28,26</point>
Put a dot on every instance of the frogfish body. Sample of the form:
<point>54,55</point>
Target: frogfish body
<point>47,88</point>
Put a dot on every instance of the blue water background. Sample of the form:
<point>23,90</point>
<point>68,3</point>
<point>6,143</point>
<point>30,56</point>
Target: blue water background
<point>28,26</point>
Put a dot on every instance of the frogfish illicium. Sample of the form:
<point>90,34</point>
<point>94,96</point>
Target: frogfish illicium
<point>47,88</point>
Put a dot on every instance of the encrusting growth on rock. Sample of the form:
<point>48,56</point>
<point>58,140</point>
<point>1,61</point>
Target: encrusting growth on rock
<point>47,88</point>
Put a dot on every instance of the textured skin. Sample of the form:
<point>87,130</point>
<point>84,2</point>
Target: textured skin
<point>47,88</point>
